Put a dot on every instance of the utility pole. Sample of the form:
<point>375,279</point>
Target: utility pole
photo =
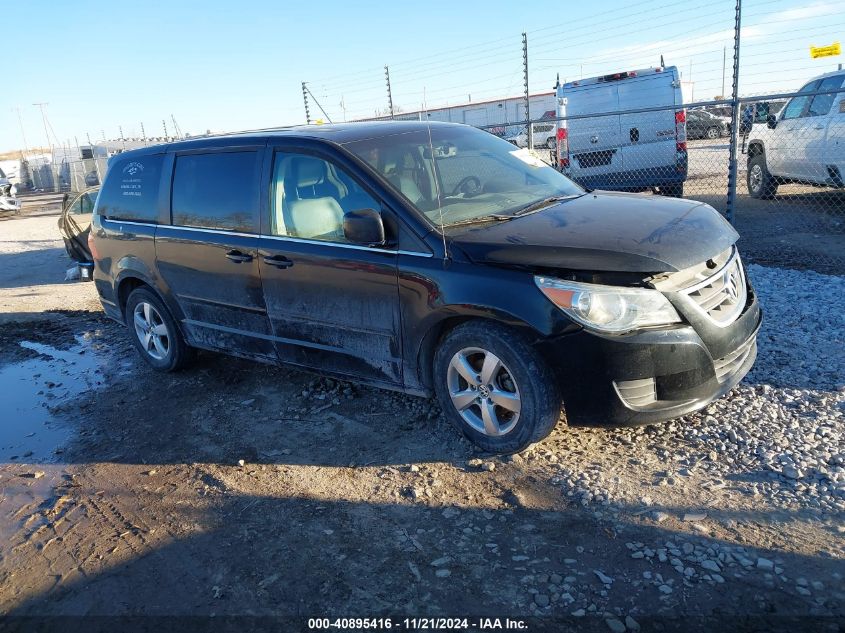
<point>176,130</point>
<point>305,99</point>
<point>389,93</point>
<point>525,80</point>
<point>143,133</point>
<point>23,134</point>
<point>94,156</point>
<point>729,211</point>
<point>44,121</point>
<point>306,90</point>
<point>724,59</point>
<point>164,125</point>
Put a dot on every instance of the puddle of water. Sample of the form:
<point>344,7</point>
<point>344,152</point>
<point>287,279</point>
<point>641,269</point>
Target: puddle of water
<point>28,431</point>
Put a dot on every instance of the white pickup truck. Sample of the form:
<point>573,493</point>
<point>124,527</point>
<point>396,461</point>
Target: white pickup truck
<point>804,143</point>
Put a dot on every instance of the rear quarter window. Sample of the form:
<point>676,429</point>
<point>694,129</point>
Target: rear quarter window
<point>131,189</point>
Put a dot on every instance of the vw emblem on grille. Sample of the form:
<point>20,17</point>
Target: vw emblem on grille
<point>731,285</point>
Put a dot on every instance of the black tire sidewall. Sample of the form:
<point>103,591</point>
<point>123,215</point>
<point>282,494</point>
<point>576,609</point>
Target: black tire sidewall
<point>539,395</point>
<point>176,355</point>
<point>766,189</point>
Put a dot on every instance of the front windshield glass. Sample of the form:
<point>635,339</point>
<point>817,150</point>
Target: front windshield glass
<point>462,174</point>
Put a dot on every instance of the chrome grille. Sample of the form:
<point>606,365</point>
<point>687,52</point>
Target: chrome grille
<point>728,365</point>
<point>722,296</point>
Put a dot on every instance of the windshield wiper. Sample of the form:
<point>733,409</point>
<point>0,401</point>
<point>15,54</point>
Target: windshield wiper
<point>481,219</point>
<point>501,217</point>
<point>542,204</point>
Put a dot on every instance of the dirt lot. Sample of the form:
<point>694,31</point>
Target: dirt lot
<point>236,489</point>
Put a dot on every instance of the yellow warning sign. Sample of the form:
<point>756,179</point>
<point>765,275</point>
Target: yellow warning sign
<point>825,51</point>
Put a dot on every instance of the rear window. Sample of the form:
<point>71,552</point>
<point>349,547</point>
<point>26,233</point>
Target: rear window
<point>217,191</point>
<point>131,189</point>
<point>820,105</point>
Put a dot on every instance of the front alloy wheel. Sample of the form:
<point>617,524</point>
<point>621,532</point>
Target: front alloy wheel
<point>495,387</point>
<point>483,391</point>
<point>761,184</point>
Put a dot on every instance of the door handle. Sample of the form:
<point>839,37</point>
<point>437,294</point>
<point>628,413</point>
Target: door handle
<point>238,257</point>
<point>279,261</point>
<point>819,127</point>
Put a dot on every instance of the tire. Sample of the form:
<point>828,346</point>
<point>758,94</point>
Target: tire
<point>713,133</point>
<point>165,348</point>
<point>522,379</point>
<point>672,191</point>
<point>761,184</point>
<point>551,142</point>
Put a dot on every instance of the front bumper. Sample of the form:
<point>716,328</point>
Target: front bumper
<point>651,376</point>
<point>633,179</point>
<point>10,204</point>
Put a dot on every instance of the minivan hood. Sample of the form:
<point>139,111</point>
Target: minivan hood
<point>603,231</point>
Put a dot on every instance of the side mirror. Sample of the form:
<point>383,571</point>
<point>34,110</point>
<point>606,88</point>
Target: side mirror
<point>772,121</point>
<point>363,226</point>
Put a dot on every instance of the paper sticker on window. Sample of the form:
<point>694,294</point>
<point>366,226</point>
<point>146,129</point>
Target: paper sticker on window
<point>527,157</point>
<point>132,186</point>
<point>842,106</point>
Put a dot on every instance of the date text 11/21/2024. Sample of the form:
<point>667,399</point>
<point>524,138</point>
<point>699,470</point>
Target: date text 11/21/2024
<point>417,624</point>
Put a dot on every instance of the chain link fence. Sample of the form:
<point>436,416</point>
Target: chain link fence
<point>788,201</point>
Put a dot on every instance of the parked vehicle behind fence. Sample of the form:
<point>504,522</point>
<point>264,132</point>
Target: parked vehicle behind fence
<point>804,143</point>
<point>543,135</point>
<point>702,124</point>
<point>428,258</point>
<point>629,151</point>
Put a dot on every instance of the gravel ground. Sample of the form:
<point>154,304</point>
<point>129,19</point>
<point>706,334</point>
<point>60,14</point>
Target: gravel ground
<point>240,489</point>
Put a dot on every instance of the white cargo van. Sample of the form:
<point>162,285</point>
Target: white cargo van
<point>624,152</point>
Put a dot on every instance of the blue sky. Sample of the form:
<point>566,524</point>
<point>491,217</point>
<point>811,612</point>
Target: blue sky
<point>237,65</point>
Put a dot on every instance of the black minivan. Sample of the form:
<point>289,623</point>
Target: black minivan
<point>429,258</point>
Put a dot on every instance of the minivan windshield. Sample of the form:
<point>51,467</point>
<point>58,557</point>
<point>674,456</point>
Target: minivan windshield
<point>460,175</point>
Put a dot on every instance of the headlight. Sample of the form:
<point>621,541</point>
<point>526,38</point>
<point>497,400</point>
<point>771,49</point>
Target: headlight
<point>613,309</point>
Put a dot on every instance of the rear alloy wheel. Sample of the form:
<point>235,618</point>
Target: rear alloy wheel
<point>154,332</point>
<point>761,184</point>
<point>713,133</point>
<point>492,385</point>
<point>551,143</point>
